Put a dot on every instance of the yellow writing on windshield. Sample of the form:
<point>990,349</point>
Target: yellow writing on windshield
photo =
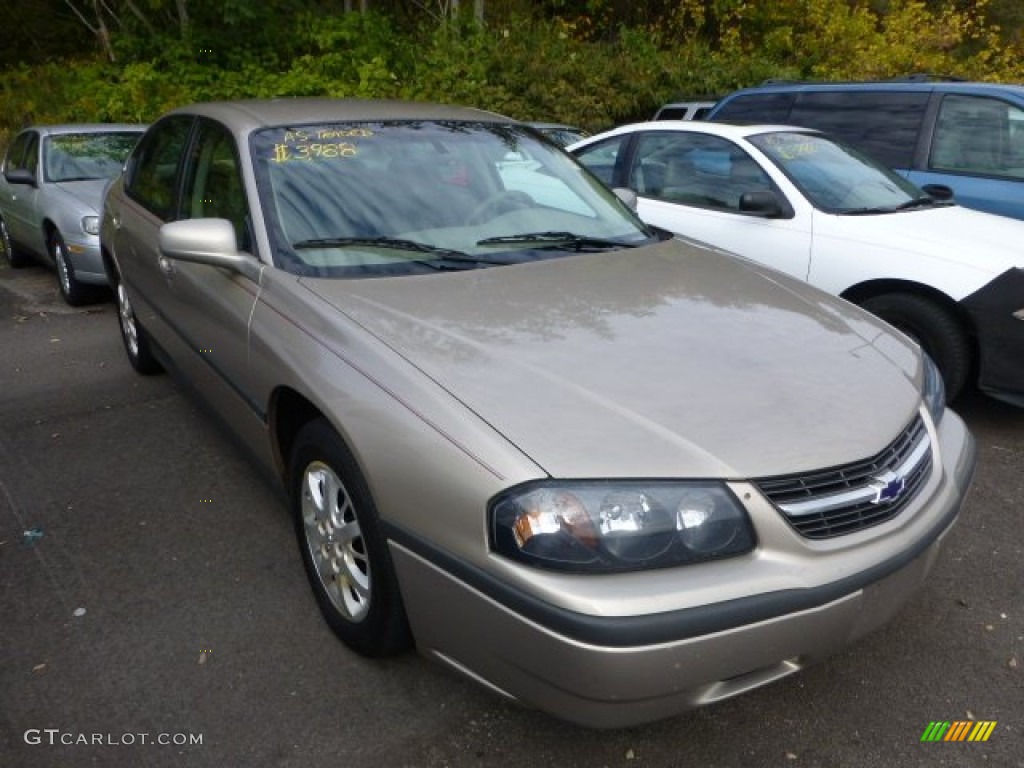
<point>284,153</point>
<point>791,147</point>
<point>307,144</point>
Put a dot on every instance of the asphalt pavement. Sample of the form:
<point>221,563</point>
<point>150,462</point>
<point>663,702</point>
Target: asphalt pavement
<point>154,611</point>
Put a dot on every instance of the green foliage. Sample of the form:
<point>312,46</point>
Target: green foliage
<point>593,63</point>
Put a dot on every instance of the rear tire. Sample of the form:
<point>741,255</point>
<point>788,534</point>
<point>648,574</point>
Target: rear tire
<point>935,328</point>
<point>15,259</point>
<point>343,549</point>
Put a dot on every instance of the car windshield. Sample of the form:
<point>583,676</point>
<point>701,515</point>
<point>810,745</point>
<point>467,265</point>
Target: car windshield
<point>837,178</point>
<point>390,198</point>
<point>81,156</point>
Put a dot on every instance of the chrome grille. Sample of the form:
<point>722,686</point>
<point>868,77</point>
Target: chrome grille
<point>840,500</point>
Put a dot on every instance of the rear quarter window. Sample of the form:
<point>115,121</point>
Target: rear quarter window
<point>755,108</point>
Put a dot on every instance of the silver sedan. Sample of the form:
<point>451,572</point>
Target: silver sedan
<point>51,189</point>
<point>605,472</point>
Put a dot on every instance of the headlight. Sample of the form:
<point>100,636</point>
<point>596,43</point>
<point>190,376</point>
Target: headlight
<point>934,390</point>
<point>609,527</point>
<point>91,224</point>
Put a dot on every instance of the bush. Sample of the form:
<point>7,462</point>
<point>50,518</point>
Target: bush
<point>530,68</point>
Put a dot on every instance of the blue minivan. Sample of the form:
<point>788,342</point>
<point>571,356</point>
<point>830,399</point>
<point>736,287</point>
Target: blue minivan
<point>954,139</point>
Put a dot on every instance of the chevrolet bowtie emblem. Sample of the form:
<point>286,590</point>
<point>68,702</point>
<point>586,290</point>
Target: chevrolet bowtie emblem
<point>888,487</point>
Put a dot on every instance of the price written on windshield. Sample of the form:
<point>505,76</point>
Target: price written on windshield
<point>325,143</point>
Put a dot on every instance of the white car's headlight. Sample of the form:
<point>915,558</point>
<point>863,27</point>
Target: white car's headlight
<point>614,526</point>
<point>91,225</point>
<point>934,390</point>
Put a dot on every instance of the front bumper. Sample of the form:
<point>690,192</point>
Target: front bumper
<point>997,311</point>
<point>615,671</point>
<point>86,260</point>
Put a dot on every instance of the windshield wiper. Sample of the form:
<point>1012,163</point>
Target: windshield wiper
<point>555,239</point>
<point>917,202</point>
<point>394,243</point>
<point>925,201</point>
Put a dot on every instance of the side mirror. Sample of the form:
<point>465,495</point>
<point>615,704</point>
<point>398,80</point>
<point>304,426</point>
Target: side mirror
<point>938,191</point>
<point>207,241</point>
<point>761,202</point>
<point>628,196</point>
<point>20,176</point>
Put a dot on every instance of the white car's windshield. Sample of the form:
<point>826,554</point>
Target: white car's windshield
<point>370,199</point>
<point>81,156</point>
<point>838,178</point>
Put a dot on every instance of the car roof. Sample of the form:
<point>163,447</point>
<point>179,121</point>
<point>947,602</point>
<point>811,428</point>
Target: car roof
<point>905,86</point>
<point>54,130</point>
<point>253,114</point>
<point>725,130</point>
<point>553,126</point>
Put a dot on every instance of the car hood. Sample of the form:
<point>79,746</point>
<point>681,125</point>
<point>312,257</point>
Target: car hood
<point>668,361</point>
<point>981,242</point>
<point>85,195</point>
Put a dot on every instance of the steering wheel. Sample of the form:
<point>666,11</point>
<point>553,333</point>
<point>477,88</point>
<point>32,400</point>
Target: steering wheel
<point>501,202</point>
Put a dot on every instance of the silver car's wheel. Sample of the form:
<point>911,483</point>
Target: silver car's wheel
<point>74,292</point>
<point>136,343</point>
<point>335,541</point>
<point>10,254</point>
<point>344,551</point>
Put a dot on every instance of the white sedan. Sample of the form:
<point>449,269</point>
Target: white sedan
<point>797,201</point>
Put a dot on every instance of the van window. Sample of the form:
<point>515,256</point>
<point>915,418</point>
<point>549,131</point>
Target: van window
<point>884,125</point>
<point>979,136</point>
<point>756,108</point>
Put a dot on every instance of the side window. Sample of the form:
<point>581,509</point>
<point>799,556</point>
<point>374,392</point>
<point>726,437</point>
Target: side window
<point>152,173</point>
<point>695,169</point>
<point>15,159</point>
<point>213,182</point>
<point>978,135</point>
<point>884,125</point>
<point>600,159</point>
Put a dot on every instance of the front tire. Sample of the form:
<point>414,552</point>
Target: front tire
<point>344,552</point>
<point>73,292</point>
<point>935,328</point>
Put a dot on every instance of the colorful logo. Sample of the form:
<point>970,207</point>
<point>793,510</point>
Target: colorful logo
<point>959,730</point>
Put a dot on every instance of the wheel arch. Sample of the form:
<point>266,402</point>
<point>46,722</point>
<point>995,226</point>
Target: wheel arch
<point>288,413</point>
<point>869,289</point>
<point>49,227</point>
<point>109,265</point>
<point>861,292</point>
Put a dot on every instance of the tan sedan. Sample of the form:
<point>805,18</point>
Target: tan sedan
<point>603,471</point>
